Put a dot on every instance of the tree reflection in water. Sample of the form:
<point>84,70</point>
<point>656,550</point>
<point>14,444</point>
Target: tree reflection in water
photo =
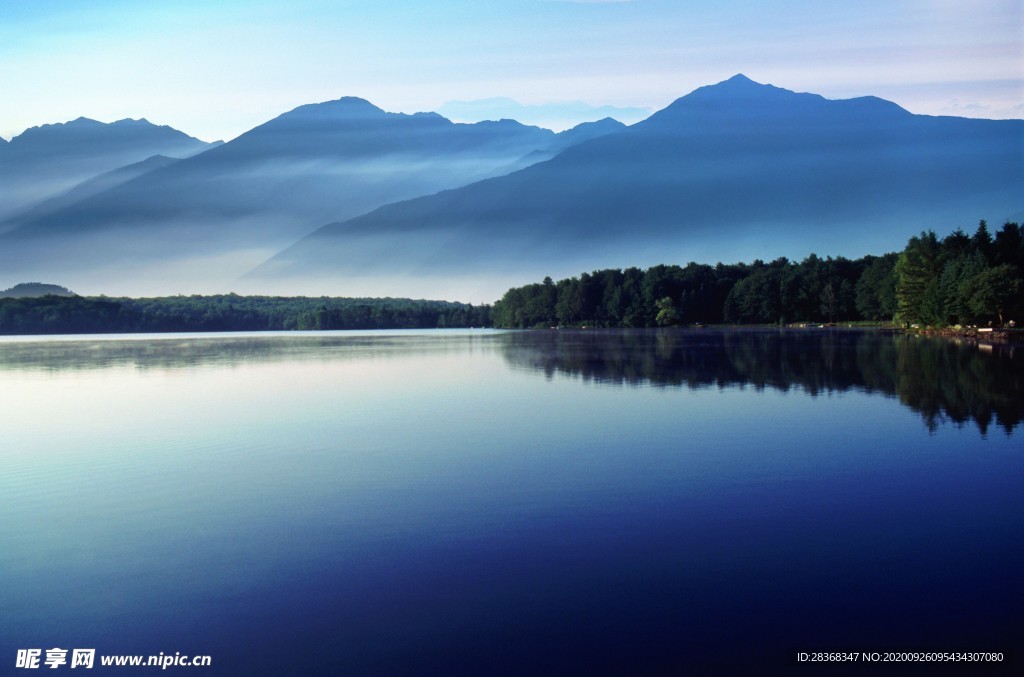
<point>943,380</point>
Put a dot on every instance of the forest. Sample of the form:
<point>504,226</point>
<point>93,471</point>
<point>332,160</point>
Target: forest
<point>957,280</point>
<point>228,312</point>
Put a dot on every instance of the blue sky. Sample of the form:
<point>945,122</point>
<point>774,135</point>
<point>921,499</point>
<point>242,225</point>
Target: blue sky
<point>216,69</point>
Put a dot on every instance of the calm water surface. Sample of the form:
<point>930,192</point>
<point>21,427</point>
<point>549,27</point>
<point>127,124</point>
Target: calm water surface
<point>509,503</point>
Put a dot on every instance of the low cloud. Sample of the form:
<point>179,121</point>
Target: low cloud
<point>974,109</point>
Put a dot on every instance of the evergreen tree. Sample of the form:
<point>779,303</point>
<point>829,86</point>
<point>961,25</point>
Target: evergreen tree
<point>917,281</point>
<point>982,240</point>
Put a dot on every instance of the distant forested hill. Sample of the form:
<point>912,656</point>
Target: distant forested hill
<point>32,289</point>
<point>230,312</point>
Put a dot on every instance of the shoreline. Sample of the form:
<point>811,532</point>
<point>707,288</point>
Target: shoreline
<point>976,334</point>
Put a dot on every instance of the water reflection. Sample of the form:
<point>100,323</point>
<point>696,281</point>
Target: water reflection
<point>942,380</point>
<point>187,351</point>
<point>431,504</point>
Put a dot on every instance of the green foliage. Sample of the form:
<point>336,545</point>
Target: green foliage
<point>930,282</point>
<point>63,315</point>
<point>961,279</point>
<point>917,281</point>
<point>757,298</point>
<point>667,313</point>
<point>875,294</point>
<point>230,312</point>
<point>1008,247</point>
<point>990,293</point>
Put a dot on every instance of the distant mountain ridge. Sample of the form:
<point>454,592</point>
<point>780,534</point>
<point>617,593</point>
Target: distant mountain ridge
<point>47,160</point>
<point>554,115</point>
<point>571,137</point>
<point>732,171</point>
<point>85,133</point>
<point>273,184</point>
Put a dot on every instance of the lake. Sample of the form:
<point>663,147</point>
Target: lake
<point>483,502</point>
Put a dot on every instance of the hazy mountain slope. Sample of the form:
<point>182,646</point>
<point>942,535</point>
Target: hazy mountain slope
<point>584,132</point>
<point>732,171</point>
<point>45,161</point>
<point>261,191</point>
<point>570,137</point>
<point>341,157</point>
<point>88,188</point>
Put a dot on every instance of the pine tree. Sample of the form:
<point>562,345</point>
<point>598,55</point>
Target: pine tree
<point>918,270</point>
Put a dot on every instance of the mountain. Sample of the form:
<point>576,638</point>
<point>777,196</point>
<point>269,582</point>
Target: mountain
<point>88,188</point>
<point>231,207</point>
<point>733,171</point>
<point>554,115</point>
<point>35,289</point>
<point>570,137</point>
<point>45,161</point>
<point>584,132</point>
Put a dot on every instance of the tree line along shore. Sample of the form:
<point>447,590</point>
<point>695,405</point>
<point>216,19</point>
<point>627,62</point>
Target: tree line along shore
<point>958,280</point>
<point>71,314</point>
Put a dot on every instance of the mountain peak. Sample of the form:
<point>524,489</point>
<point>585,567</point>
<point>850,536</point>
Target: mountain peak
<point>326,115</point>
<point>352,101</point>
<point>740,85</point>
<point>347,107</point>
<point>740,100</point>
<point>133,122</point>
<point>604,123</point>
<point>740,78</point>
